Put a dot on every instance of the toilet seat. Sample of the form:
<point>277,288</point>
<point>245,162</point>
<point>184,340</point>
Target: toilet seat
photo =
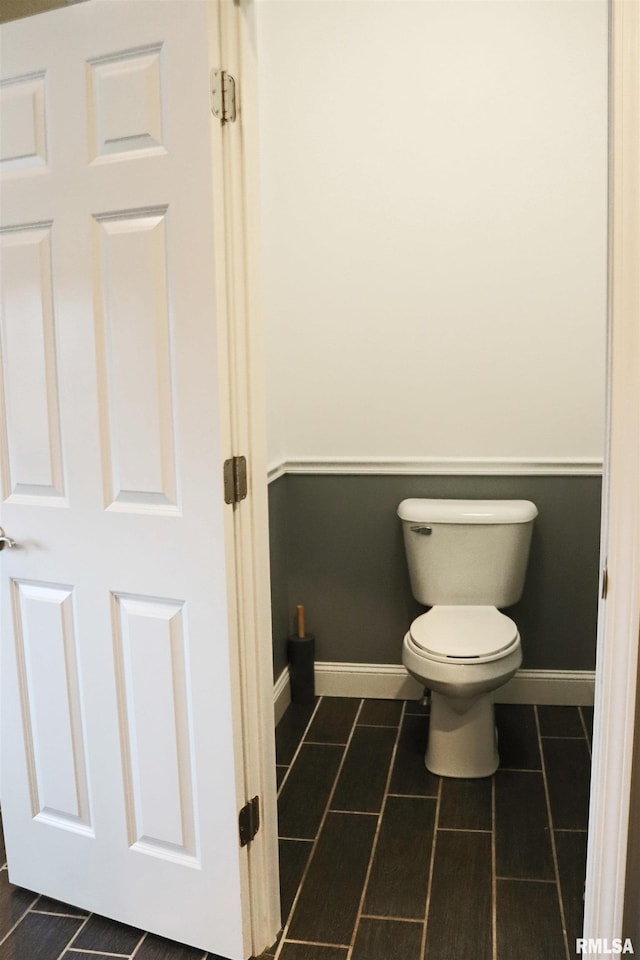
<point>463,634</point>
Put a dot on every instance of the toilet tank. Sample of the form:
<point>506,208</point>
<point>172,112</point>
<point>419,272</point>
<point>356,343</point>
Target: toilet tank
<point>467,551</point>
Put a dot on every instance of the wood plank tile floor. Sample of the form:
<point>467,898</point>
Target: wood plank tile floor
<point>381,860</point>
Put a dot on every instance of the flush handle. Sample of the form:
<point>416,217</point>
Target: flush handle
<point>425,531</point>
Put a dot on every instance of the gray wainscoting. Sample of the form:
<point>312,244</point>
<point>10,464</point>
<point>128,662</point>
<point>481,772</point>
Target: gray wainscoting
<point>336,547</point>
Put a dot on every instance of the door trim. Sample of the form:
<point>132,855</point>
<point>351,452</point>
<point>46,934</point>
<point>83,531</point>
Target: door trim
<point>619,615</point>
<point>247,522</point>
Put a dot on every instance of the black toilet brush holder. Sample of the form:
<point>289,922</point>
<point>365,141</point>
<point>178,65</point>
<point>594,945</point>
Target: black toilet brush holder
<point>301,654</point>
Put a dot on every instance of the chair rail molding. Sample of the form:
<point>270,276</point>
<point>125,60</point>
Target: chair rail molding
<point>442,466</point>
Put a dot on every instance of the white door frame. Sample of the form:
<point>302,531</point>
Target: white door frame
<point>248,526</point>
<point>619,617</point>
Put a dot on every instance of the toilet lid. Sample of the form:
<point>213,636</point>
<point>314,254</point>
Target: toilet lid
<point>465,633</point>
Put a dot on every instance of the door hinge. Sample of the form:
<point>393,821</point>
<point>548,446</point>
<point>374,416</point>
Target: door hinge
<point>223,96</point>
<point>605,583</point>
<point>249,821</point>
<point>235,479</point>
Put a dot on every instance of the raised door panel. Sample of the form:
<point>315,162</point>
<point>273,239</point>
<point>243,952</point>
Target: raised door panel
<point>125,102</point>
<point>31,446</point>
<point>151,638</point>
<point>23,134</point>
<point>52,712</point>
<point>135,376</point>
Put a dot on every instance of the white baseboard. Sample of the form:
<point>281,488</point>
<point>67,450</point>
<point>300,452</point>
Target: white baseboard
<point>571,688</point>
<point>388,681</point>
<point>385,681</point>
<point>281,694</point>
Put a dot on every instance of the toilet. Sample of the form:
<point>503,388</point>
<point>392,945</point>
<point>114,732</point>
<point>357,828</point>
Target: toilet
<point>466,559</point>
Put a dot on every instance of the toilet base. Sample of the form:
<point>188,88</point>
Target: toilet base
<point>462,737</point>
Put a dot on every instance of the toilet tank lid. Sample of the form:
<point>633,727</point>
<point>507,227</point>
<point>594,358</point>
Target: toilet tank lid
<point>467,511</point>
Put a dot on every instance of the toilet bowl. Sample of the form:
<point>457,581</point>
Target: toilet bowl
<point>462,654</point>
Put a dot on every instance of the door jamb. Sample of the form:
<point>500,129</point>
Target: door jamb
<point>247,525</point>
<point>619,614</point>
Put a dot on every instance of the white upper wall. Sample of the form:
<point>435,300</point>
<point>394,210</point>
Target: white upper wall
<point>433,191</point>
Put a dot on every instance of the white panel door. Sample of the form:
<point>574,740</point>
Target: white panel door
<point>119,770</point>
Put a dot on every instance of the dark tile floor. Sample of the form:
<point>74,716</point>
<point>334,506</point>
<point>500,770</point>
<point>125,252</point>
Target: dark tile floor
<point>381,860</point>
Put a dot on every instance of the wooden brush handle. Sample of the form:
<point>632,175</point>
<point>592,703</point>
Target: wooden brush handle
<point>300,614</point>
